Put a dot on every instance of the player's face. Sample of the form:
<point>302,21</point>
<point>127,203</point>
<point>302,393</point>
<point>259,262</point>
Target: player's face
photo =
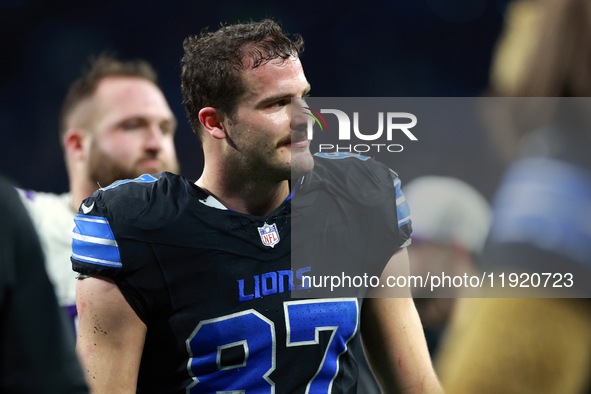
<point>132,131</point>
<point>268,133</point>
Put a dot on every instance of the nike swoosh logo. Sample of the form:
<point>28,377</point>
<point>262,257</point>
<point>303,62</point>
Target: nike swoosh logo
<point>86,209</point>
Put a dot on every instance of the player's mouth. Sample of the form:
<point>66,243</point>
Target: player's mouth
<point>299,144</point>
<point>297,140</point>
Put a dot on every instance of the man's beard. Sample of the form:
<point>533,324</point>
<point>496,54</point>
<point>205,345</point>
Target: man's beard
<point>104,170</point>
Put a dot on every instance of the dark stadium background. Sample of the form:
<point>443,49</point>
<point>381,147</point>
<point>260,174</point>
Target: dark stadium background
<point>419,48</point>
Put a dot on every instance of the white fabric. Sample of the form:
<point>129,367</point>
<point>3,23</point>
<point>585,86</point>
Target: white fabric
<point>448,211</point>
<point>54,220</point>
<point>213,202</point>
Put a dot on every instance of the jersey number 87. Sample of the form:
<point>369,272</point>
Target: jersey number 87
<point>256,335</point>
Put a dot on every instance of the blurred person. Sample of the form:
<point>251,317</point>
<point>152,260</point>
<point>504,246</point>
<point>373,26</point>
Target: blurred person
<point>187,286</point>
<point>541,215</point>
<point>36,350</point>
<point>451,220</point>
<point>115,123</point>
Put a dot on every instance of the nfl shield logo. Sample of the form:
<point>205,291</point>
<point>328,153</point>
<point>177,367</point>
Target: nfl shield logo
<point>269,235</point>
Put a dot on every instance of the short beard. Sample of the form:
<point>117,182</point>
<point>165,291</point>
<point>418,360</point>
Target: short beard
<point>103,170</point>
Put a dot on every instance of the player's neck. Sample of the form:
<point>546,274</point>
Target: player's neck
<point>249,197</point>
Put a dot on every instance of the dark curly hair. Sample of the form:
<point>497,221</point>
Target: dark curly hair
<point>213,63</point>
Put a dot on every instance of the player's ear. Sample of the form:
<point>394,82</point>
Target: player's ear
<point>212,119</point>
<point>74,143</point>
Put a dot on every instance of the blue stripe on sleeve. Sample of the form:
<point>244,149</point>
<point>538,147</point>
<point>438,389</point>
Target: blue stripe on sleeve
<point>397,185</point>
<point>93,226</point>
<point>93,242</point>
<point>402,208</point>
<point>96,253</point>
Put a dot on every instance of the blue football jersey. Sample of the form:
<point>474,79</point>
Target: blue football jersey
<point>221,292</point>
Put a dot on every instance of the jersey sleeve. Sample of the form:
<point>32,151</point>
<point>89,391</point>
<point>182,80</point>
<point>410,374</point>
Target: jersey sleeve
<point>403,218</point>
<point>107,242</point>
<point>94,248</point>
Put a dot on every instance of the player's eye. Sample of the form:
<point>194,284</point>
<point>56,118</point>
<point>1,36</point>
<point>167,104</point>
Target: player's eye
<point>167,128</point>
<point>280,103</point>
<point>132,124</point>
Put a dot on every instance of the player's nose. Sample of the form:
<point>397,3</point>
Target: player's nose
<point>153,138</point>
<point>299,120</point>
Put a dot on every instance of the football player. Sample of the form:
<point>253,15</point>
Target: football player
<point>191,287</point>
<point>115,124</point>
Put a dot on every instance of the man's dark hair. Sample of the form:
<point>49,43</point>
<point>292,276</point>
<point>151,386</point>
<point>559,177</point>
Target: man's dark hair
<point>105,65</point>
<point>213,63</point>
